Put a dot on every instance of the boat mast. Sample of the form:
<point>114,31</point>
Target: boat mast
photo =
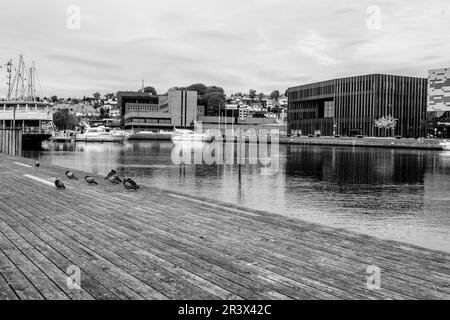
<point>30,93</point>
<point>9,71</point>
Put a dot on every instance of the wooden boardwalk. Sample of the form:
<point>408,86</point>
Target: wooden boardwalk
<point>159,244</point>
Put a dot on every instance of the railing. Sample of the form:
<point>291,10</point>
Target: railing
<point>11,142</point>
<point>35,130</point>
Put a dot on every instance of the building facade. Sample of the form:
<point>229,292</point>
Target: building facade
<point>350,106</point>
<point>439,90</point>
<point>143,111</point>
<point>439,103</point>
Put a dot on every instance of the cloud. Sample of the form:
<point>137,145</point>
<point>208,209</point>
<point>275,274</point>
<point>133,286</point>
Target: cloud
<point>265,45</point>
<point>318,48</point>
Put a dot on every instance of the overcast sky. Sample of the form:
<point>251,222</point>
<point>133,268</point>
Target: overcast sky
<point>236,44</point>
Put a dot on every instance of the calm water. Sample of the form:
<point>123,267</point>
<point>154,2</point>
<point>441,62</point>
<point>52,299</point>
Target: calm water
<point>394,194</point>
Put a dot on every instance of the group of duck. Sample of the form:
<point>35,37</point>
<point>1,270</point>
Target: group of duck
<point>112,177</point>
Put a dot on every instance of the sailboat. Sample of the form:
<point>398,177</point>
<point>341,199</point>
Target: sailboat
<point>23,108</point>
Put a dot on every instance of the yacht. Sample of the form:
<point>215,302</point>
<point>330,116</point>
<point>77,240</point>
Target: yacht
<point>445,145</point>
<point>102,134</point>
<point>189,135</point>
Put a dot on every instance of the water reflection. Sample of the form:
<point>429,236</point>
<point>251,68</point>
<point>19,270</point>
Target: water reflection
<point>395,194</point>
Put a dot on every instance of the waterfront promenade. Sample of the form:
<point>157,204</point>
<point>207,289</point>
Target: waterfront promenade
<point>416,144</point>
<point>160,244</point>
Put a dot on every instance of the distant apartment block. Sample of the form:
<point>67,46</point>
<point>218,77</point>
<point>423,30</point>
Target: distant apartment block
<point>144,111</point>
<point>439,90</point>
<point>349,106</point>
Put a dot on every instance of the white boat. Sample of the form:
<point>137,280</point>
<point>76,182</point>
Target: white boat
<point>102,134</point>
<point>150,135</point>
<point>189,135</point>
<point>445,145</point>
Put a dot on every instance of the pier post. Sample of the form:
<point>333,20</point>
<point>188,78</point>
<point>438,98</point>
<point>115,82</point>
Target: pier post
<point>11,142</point>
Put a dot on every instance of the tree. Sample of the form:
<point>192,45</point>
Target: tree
<point>150,90</point>
<point>387,122</point>
<point>102,112</point>
<point>54,99</point>
<point>109,96</point>
<point>260,96</point>
<point>275,95</point>
<point>214,103</point>
<point>252,94</point>
<point>199,87</point>
<point>213,91</point>
<point>97,96</point>
<point>64,120</point>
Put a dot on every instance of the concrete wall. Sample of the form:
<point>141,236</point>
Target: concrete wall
<point>183,107</point>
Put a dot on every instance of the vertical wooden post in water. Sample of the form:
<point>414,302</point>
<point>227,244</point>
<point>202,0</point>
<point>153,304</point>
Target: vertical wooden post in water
<point>11,142</point>
<point>19,144</point>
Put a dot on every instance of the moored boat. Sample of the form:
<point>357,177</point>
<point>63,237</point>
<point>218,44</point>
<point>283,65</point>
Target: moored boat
<point>23,108</point>
<point>445,145</point>
<point>189,135</point>
<point>102,134</point>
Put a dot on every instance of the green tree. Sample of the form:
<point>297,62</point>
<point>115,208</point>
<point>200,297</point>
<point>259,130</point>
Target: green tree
<point>54,99</point>
<point>109,96</point>
<point>97,96</point>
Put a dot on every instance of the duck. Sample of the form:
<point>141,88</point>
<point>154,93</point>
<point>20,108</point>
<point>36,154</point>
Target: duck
<point>71,175</point>
<point>36,163</point>
<point>59,184</point>
<point>90,180</point>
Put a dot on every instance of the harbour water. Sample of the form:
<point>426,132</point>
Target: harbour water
<point>391,194</point>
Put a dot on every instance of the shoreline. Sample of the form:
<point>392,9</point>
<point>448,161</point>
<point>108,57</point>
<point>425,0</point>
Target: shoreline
<point>412,144</point>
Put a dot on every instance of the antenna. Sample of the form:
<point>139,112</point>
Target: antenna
<point>142,85</point>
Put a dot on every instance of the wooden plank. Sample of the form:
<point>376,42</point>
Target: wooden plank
<point>284,279</point>
<point>109,231</point>
<point>196,248</point>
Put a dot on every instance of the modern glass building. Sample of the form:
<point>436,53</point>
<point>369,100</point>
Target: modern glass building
<point>350,106</point>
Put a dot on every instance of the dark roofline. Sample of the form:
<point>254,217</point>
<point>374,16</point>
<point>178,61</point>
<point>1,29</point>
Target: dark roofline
<point>352,77</point>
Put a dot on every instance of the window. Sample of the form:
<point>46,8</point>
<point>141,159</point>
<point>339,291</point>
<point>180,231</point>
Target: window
<point>329,109</point>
